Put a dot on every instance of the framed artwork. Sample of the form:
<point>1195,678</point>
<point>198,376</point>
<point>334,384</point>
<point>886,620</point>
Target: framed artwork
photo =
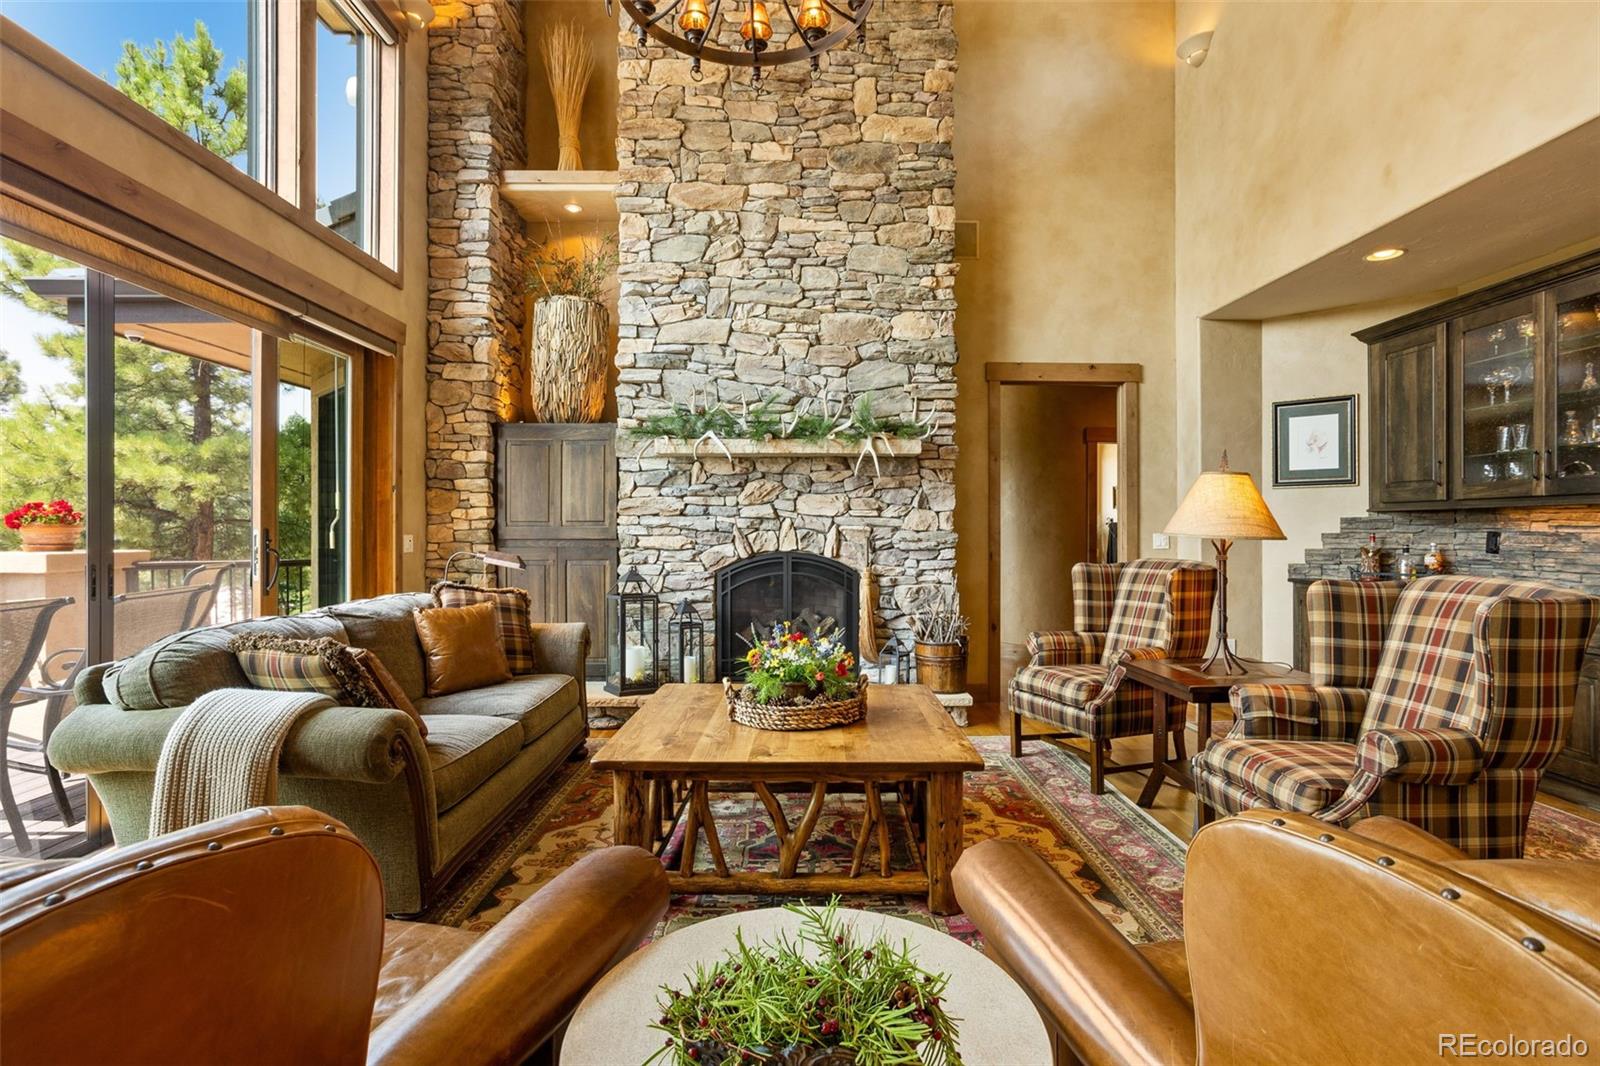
<point>1314,441</point>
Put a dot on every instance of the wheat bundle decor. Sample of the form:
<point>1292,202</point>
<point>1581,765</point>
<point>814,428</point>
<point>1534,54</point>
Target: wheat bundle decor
<point>568,62</point>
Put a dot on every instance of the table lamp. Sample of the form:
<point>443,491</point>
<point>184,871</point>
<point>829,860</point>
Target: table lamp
<point>1224,506</point>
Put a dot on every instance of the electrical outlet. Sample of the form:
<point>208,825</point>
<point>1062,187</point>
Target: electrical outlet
<point>408,544</point>
<point>1160,541</point>
<point>1491,542</point>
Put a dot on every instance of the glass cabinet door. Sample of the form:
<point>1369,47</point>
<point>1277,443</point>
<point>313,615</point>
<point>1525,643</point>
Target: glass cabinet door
<point>1497,422</point>
<point>1573,445</point>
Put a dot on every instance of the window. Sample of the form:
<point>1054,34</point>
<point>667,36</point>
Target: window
<point>199,65</point>
<point>343,99</point>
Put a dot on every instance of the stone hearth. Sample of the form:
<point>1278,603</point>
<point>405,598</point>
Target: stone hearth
<point>787,242</point>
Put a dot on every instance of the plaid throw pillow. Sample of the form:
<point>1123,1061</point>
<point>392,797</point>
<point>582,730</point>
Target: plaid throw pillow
<point>513,621</point>
<point>323,665</point>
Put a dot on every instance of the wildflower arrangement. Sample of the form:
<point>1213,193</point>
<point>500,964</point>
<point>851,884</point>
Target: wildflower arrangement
<point>867,1003</point>
<point>789,658</point>
<point>38,513</point>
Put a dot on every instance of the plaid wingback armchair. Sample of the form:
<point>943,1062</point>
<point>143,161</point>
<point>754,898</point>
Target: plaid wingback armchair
<point>1146,609</point>
<point>1440,705</point>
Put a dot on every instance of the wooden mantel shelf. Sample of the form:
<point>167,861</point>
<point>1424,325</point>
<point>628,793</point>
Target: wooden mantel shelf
<point>541,195</point>
<point>746,448</point>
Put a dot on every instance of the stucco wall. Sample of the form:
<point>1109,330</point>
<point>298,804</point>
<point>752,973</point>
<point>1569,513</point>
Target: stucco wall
<point>1308,126</point>
<point>1064,124</point>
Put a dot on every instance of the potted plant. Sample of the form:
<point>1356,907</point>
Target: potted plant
<point>940,632</point>
<point>825,1000</point>
<point>46,527</point>
<point>797,680</point>
<point>569,346</point>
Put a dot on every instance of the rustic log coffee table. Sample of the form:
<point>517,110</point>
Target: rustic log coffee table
<point>681,740</point>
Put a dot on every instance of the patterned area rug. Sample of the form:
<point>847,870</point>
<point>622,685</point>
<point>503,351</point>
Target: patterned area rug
<point>1106,847</point>
<point>1122,860</point>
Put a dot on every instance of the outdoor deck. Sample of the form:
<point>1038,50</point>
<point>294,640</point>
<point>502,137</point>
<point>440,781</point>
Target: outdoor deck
<point>50,839</point>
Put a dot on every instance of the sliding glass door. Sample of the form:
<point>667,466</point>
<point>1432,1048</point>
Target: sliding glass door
<point>210,465</point>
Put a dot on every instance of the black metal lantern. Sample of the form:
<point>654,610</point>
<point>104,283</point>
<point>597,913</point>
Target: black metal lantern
<point>894,663</point>
<point>686,643</point>
<point>632,646</point>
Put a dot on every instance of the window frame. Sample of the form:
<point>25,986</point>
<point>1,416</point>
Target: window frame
<point>286,184</point>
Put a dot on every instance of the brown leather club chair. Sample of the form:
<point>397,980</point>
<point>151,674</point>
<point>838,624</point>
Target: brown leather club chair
<point>260,938</point>
<point>1306,944</point>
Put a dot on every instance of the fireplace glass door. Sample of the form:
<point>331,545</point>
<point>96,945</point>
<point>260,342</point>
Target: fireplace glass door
<point>778,587</point>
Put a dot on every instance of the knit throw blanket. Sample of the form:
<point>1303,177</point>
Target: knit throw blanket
<point>221,756</point>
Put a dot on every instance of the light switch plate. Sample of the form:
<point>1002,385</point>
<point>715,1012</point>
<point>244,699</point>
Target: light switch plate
<point>408,544</point>
<point>1160,541</point>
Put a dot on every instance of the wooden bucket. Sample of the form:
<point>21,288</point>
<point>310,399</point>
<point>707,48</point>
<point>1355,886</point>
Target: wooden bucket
<point>942,667</point>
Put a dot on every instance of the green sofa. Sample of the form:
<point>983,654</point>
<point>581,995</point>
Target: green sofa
<point>422,806</point>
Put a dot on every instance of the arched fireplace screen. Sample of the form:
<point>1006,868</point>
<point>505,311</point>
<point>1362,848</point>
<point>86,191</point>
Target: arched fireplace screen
<point>780,587</point>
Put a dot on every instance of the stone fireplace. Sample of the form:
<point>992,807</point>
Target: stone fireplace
<point>788,242</point>
<point>776,587</point>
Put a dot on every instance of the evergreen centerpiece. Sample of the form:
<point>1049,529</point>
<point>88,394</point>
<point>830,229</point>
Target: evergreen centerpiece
<point>46,526</point>
<point>824,1000</point>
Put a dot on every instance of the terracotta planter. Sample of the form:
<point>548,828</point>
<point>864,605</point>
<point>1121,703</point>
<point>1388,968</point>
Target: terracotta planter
<point>942,667</point>
<point>48,538</point>
<point>567,361</point>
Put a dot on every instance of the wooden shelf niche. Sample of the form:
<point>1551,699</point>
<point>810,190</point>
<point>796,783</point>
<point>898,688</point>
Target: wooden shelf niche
<point>542,195</point>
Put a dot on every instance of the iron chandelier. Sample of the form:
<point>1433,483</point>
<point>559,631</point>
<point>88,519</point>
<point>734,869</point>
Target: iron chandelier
<point>686,26</point>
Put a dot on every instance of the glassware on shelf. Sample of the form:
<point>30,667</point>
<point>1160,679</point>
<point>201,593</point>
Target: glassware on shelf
<point>1571,432</point>
<point>1502,436</point>
<point>1491,385</point>
<point>1519,437</point>
<point>1589,382</point>
<point>1526,328</point>
<point>1495,337</point>
<point>1510,376</point>
<point>1491,471</point>
<point>1594,427</point>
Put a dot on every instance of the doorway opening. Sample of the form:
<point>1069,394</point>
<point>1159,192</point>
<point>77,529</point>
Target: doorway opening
<point>1063,442</point>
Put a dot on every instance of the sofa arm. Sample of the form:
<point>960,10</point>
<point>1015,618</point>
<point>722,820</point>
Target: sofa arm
<point>1297,712</point>
<point>561,648</point>
<point>362,744</point>
<point>1093,987</point>
<point>87,688</point>
<point>1442,756</point>
<point>1065,647</point>
<point>507,994</point>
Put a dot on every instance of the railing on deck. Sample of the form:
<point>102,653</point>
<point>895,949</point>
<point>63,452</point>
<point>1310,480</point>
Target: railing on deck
<point>230,599</point>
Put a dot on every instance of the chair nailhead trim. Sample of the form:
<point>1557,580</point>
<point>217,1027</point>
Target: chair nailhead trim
<point>1278,821</point>
<point>276,830</point>
<point>1384,860</point>
<point>53,898</point>
<point>213,846</point>
<point>143,864</point>
<point>1532,943</point>
<point>1326,838</point>
<point>1449,893</point>
<point>331,828</point>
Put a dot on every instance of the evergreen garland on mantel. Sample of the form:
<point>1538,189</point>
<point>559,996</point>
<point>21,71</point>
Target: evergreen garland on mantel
<point>812,420</point>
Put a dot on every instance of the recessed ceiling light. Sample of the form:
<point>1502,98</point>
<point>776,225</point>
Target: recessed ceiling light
<point>1385,254</point>
<point>572,208</point>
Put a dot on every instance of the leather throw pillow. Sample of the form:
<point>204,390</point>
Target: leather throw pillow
<point>461,647</point>
<point>512,614</point>
<point>324,665</point>
<point>382,680</point>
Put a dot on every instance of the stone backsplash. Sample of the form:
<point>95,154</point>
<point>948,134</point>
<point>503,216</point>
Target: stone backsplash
<point>1559,545</point>
<point>788,241</point>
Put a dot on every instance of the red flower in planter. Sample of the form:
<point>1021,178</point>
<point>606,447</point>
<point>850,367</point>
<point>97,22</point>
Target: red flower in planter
<point>37,513</point>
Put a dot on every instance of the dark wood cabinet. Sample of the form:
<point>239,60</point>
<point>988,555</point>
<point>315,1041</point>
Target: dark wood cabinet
<point>556,497</point>
<point>1491,399</point>
<point>1408,402</point>
<point>1579,761</point>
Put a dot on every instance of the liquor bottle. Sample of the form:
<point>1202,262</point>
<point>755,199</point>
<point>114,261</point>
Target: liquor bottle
<point>1408,566</point>
<point>1434,560</point>
<point>1371,556</point>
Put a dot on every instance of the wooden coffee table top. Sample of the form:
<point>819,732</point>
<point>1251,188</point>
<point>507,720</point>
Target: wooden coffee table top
<point>686,728</point>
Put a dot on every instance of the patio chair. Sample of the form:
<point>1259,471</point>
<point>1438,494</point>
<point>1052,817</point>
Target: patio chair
<point>23,626</point>
<point>213,578</point>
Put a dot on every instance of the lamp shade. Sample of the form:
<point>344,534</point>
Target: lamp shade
<point>1224,505</point>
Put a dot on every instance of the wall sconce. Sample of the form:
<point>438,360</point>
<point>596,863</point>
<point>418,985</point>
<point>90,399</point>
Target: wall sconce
<point>1194,49</point>
<point>417,12</point>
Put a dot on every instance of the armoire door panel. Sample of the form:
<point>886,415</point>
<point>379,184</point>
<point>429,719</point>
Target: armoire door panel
<point>527,470</point>
<point>588,477</point>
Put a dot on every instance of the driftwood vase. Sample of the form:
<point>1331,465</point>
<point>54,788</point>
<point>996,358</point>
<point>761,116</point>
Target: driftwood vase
<point>567,371</point>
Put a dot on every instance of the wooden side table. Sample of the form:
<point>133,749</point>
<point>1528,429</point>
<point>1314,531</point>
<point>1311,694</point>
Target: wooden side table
<point>1185,682</point>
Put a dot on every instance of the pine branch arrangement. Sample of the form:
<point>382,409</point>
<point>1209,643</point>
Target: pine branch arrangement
<point>568,62</point>
<point>763,422</point>
<point>769,1003</point>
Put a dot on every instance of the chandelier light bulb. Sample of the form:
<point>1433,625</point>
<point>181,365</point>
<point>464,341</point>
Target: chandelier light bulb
<point>757,28</point>
<point>694,20</point>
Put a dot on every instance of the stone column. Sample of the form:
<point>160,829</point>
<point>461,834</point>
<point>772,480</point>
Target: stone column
<point>477,248</point>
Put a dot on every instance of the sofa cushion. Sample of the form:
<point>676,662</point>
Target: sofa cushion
<point>379,677</point>
<point>324,665</point>
<point>465,750</point>
<point>177,670</point>
<point>1291,775</point>
<point>537,701</point>
<point>512,618</point>
<point>461,648</point>
<point>384,625</point>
